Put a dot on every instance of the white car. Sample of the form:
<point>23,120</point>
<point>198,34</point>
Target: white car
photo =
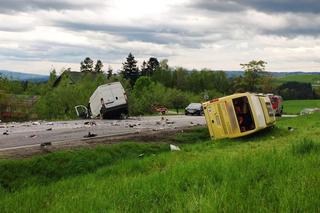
<point>194,109</point>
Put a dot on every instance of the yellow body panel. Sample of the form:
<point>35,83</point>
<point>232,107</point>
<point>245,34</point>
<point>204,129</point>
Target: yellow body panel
<point>223,120</point>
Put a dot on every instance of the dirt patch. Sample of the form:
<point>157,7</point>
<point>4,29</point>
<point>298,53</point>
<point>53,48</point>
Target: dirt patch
<point>141,137</point>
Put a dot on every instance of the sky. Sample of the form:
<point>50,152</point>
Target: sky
<point>39,35</point>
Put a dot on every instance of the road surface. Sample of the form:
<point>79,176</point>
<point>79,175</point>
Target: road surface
<point>28,134</point>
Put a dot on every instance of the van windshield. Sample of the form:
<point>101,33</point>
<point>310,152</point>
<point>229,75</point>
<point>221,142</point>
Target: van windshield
<point>244,114</point>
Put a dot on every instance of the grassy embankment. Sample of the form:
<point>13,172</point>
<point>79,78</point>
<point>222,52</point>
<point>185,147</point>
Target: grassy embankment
<point>273,171</point>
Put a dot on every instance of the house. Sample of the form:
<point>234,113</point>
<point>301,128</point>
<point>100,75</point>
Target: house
<point>74,77</point>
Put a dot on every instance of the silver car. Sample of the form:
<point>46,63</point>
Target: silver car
<point>194,109</point>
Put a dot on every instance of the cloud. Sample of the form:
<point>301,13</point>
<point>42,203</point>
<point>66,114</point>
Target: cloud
<point>195,34</point>
<point>165,35</point>
<point>279,6</point>
<point>12,6</point>
<point>272,6</point>
<point>217,5</point>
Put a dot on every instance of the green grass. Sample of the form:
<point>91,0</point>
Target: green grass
<point>273,171</point>
<point>295,106</point>
<point>306,78</point>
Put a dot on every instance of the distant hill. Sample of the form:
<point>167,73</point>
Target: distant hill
<point>283,77</point>
<point>13,75</point>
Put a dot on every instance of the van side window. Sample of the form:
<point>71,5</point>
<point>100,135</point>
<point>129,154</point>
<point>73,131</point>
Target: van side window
<point>244,114</point>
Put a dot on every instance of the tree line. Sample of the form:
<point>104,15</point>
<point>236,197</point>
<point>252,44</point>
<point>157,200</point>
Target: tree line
<point>153,83</point>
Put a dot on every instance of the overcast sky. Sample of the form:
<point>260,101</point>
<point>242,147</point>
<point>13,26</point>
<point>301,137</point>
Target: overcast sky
<point>37,35</point>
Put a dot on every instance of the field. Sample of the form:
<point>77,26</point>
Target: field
<point>306,78</point>
<point>273,171</point>
<point>295,106</point>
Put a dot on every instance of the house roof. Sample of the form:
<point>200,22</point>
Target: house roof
<point>73,76</point>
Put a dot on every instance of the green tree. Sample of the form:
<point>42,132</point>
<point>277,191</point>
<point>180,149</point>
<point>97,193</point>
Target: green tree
<point>86,65</point>
<point>109,72</point>
<point>254,71</point>
<point>144,68</point>
<point>152,66</point>
<point>98,67</point>
<point>178,99</point>
<point>130,70</point>
<point>163,74</point>
<point>52,78</point>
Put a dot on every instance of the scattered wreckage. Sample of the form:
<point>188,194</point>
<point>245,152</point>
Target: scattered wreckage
<point>276,103</point>
<point>238,115</point>
<point>160,109</point>
<point>307,111</point>
<point>107,101</point>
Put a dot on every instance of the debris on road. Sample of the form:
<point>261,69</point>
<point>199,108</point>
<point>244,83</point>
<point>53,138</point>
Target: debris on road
<point>36,123</point>
<point>45,144</point>
<point>90,123</point>
<point>169,122</point>
<point>27,133</point>
<point>90,135</point>
<point>174,148</point>
<point>307,111</point>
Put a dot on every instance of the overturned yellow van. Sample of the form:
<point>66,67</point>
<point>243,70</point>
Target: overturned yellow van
<point>238,115</point>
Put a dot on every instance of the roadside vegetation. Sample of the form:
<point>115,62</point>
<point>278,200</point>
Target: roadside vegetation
<point>276,170</point>
<point>155,83</point>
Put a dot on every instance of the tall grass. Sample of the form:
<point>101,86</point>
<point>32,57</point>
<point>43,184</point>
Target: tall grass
<point>305,147</point>
<point>41,170</point>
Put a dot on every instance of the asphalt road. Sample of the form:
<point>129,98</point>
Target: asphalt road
<point>27,134</point>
